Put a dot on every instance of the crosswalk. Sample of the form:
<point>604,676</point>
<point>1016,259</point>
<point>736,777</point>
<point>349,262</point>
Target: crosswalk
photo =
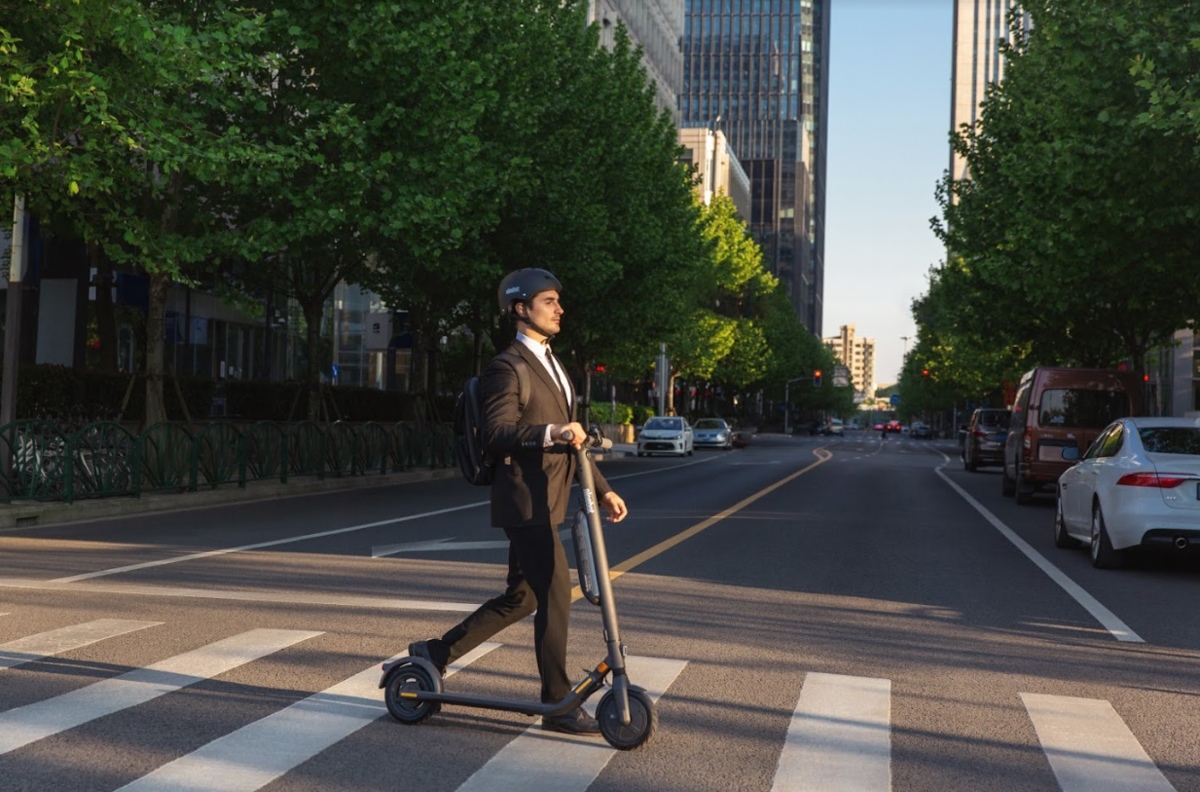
<point>838,737</point>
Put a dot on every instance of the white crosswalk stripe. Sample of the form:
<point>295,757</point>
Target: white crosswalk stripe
<point>65,639</point>
<point>541,761</point>
<point>257,754</point>
<point>23,725</point>
<point>839,739</point>
<point>1090,748</point>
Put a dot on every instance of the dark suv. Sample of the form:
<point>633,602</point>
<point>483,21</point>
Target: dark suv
<point>986,433</point>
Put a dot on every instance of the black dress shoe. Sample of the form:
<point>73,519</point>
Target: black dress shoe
<point>574,722</point>
<point>421,649</point>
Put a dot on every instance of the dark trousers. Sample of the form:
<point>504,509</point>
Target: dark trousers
<point>538,579</point>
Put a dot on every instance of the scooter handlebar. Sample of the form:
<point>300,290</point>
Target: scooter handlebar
<point>589,441</point>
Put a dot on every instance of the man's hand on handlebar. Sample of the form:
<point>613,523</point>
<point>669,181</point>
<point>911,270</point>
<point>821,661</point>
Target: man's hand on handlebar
<point>577,434</point>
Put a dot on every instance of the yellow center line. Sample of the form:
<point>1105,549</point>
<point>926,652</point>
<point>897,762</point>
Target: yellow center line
<point>823,456</point>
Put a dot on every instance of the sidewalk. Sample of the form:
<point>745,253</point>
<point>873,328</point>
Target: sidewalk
<point>25,514</point>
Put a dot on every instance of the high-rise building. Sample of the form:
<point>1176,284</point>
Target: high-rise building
<point>858,355</point>
<point>717,168</point>
<point>758,70</point>
<point>979,27</point>
<point>655,26</point>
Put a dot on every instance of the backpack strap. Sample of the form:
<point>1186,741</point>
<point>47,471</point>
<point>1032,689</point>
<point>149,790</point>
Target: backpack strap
<point>522,368</point>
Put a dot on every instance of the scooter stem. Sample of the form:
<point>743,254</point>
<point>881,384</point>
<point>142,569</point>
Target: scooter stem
<point>608,609</point>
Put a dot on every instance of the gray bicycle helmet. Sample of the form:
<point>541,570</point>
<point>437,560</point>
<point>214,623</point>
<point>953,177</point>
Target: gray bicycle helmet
<point>521,285</point>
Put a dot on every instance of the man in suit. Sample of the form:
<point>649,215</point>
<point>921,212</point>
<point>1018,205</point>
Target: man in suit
<point>530,492</point>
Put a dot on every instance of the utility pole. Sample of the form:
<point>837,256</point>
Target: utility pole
<point>786,405</point>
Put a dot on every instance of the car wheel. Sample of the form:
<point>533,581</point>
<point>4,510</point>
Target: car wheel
<point>1007,485</point>
<point>1022,492</point>
<point>1061,537</point>
<point>641,453</point>
<point>1103,554</point>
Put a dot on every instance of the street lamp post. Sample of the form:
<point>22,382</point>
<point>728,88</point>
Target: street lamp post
<point>786,403</point>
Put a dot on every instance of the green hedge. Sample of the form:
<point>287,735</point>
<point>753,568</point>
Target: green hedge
<point>68,396</point>
<point>636,414</point>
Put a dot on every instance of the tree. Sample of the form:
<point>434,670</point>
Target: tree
<point>1075,213</point>
<point>117,124</point>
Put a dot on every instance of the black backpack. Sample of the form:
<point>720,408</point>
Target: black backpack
<point>477,468</point>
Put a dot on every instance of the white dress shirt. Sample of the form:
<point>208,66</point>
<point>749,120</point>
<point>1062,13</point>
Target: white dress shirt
<point>539,351</point>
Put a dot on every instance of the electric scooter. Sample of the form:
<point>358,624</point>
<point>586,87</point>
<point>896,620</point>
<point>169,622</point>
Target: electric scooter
<point>413,688</point>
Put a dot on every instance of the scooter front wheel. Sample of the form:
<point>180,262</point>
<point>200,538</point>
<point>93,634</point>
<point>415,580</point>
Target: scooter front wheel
<point>643,720</point>
<point>408,679</point>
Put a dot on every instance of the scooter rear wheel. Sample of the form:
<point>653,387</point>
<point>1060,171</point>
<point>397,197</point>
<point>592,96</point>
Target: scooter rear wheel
<point>643,720</point>
<point>410,679</point>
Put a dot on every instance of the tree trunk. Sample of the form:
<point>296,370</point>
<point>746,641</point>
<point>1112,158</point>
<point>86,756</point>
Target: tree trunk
<point>477,353</point>
<point>312,318</point>
<point>106,322</point>
<point>156,410</point>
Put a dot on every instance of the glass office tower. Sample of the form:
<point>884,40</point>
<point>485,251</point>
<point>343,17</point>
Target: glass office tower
<point>758,70</point>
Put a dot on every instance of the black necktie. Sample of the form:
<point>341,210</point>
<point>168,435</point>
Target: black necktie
<point>557,379</point>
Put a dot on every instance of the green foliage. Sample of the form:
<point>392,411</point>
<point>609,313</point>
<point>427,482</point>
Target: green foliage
<point>602,412</point>
<point>1076,213</point>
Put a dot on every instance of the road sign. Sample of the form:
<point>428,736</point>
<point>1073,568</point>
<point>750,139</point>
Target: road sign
<point>895,398</point>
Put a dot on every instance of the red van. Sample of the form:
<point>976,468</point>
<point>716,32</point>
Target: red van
<point>1056,409</point>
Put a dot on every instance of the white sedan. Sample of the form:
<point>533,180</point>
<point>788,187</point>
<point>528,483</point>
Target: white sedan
<point>1137,485</point>
<point>668,435</point>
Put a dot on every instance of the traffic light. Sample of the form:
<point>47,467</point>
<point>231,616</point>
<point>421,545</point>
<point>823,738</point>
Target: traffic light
<point>817,378</point>
<point>599,368</point>
<point>924,372</point>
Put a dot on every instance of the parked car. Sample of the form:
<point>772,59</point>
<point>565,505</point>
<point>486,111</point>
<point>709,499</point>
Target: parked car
<point>1137,485</point>
<point>712,433</point>
<point>983,443</point>
<point>1058,409</point>
<point>921,431</point>
<point>668,435</point>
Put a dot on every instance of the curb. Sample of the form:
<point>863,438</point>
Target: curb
<point>34,514</point>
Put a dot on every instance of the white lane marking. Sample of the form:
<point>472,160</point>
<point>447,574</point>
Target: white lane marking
<point>1090,748</point>
<point>839,739</point>
<point>542,761</point>
<point>1119,629</point>
<point>317,535</point>
<point>292,598</point>
<point>33,722</point>
<point>446,545</point>
<point>259,545</point>
<point>64,639</point>
<point>260,752</point>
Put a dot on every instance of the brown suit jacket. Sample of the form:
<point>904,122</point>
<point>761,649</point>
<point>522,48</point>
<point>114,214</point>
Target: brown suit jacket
<point>532,484</point>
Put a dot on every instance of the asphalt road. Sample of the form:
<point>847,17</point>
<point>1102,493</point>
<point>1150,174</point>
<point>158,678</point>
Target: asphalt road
<point>837,615</point>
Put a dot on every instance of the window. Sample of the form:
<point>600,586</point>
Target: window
<point>1082,409</point>
<point>1112,441</point>
<point>1171,439</point>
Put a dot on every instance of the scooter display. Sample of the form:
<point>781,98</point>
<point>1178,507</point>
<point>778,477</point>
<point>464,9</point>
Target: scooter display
<point>414,691</point>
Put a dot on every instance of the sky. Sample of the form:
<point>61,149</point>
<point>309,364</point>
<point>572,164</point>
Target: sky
<point>889,120</point>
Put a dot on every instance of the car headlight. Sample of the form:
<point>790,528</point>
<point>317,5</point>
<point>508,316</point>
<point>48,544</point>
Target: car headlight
<point>720,436</point>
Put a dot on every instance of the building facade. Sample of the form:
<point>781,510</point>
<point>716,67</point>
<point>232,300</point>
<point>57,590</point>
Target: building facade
<point>858,355</point>
<point>656,26</point>
<point>717,168</point>
<point>979,27</point>
<point>758,70</point>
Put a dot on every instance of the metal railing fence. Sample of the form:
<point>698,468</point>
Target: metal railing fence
<point>41,461</point>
